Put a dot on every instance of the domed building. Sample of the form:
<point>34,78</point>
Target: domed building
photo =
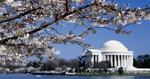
<point>113,51</point>
<point>116,53</point>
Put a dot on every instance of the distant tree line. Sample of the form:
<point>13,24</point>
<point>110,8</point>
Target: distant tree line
<point>76,65</point>
<point>142,61</point>
<point>52,65</point>
<point>79,65</point>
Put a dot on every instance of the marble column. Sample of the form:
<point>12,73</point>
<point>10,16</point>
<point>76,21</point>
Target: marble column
<point>95,58</point>
<point>131,60</point>
<point>111,60</point>
<point>108,58</point>
<point>115,60</point>
<point>128,60</point>
<point>124,60</point>
<point>104,57</point>
<point>119,60</point>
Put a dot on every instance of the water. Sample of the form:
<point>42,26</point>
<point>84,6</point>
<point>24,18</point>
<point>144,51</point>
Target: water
<point>29,76</point>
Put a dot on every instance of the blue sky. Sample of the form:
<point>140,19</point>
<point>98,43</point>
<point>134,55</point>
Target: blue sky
<point>138,41</point>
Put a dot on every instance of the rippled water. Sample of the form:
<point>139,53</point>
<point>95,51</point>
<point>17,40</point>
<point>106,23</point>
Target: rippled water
<point>29,76</point>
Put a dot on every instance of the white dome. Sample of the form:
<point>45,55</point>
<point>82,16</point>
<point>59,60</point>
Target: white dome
<point>114,46</point>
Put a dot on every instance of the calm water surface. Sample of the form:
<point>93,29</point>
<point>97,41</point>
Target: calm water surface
<point>29,76</point>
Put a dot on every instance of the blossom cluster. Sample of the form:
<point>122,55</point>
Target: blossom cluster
<point>29,25</point>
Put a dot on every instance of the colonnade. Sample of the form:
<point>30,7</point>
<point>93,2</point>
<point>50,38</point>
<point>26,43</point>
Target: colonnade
<point>119,60</point>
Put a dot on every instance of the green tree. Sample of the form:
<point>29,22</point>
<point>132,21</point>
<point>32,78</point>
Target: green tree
<point>142,61</point>
<point>103,65</point>
<point>74,63</point>
<point>136,63</point>
<point>63,62</point>
<point>120,70</point>
<point>34,64</point>
<point>49,65</point>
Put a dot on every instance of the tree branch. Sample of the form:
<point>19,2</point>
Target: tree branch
<point>19,15</point>
<point>66,6</point>
<point>47,24</point>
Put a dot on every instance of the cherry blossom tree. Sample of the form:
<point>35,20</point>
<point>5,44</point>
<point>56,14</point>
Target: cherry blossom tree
<point>27,26</point>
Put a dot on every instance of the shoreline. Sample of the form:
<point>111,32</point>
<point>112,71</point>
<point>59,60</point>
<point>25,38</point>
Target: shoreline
<point>82,74</point>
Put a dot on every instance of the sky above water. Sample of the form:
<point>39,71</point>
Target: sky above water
<point>138,41</point>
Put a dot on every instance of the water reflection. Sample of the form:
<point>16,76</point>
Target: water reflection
<point>29,76</point>
<point>107,77</point>
<point>121,77</point>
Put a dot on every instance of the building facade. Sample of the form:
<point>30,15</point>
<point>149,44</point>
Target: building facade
<point>114,52</point>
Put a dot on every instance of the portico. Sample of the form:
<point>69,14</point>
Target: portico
<point>118,60</point>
